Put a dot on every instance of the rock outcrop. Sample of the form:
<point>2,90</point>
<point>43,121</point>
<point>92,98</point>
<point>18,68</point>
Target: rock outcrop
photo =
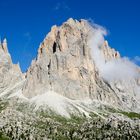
<point>64,65</point>
<point>10,74</point>
<point>109,53</point>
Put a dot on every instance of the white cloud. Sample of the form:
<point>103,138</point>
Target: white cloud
<point>115,69</point>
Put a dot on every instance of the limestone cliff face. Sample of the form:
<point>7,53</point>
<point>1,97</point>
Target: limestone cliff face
<point>109,53</point>
<point>10,74</point>
<point>64,65</point>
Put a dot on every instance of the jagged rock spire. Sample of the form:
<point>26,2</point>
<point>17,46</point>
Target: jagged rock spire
<point>10,73</point>
<point>4,45</point>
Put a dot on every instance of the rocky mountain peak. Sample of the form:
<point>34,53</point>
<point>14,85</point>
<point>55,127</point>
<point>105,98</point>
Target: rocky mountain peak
<point>62,54</point>
<point>3,45</point>
<point>65,65</point>
<point>5,57</point>
<point>10,73</point>
<point>71,30</point>
<point>108,52</point>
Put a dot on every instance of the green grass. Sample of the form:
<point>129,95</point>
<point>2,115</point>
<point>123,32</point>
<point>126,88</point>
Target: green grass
<point>3,137</point>
<point>131,115</point>
<point>61,119</point>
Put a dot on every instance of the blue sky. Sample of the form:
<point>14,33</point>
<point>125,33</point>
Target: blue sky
<point>25,23</point>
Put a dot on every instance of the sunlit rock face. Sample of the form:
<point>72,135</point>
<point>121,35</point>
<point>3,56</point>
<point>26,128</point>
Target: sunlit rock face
<point>65,64</point>
<point>10,73</point>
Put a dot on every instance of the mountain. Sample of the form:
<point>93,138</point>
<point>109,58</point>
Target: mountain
<point>65,65</point>
<point>76,78</point>
<point>11,76</point>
